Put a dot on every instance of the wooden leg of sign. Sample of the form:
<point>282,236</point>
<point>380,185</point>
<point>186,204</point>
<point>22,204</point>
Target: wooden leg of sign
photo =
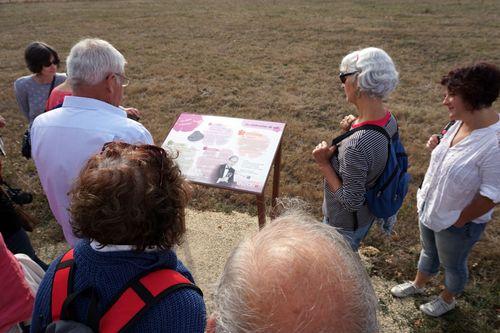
<point>261,210</point>
<point>276,181</point>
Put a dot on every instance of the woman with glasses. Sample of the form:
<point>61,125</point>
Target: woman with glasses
<point>128,207</point>
<point>461,186</point>
<point>368,76</point>
<point>32,91</point>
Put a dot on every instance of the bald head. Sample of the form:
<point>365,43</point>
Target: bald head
<point>295,275</point>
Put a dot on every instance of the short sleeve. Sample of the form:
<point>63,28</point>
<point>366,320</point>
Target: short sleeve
<point>22,97</point>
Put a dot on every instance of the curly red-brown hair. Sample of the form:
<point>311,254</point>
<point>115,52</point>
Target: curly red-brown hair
<point>130,195</point>
<point>478,84</point>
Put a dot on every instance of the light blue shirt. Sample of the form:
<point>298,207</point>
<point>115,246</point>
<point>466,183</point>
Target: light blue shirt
<point>62,141</point>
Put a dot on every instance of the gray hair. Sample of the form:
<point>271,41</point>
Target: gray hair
<point>91,60</point>
<point>376,73</point>
<point>295,275</point>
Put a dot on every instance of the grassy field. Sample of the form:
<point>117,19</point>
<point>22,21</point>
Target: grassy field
<point>278,61</point>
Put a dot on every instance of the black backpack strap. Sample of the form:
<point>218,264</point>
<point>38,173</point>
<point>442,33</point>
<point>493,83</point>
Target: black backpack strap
<point>347,134</point>
<point>445,130</point>
<point>343,136</point>
<point>379,129</point>
<point>68,311</point>
<point>52,84</point>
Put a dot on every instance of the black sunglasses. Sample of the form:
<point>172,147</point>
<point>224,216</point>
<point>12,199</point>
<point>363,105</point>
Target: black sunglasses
<point>343,76</point>
<point>51,62</point>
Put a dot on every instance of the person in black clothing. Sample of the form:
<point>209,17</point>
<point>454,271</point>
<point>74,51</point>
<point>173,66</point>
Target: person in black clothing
<point>15,236</point>
<point>225,172</point>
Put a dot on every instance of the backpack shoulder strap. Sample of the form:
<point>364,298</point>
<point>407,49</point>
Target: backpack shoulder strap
<point>52,85</point>
<point>140,294</point>
<point>62,284</point>
<point>378,129</point>
<point>347,134</point>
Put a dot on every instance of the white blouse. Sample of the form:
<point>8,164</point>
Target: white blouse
<point>456,174</point>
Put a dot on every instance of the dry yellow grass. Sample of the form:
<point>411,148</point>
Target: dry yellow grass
<point>274,60</point>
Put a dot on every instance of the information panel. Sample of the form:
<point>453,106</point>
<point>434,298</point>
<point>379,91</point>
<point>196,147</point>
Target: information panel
<point>225,152</point>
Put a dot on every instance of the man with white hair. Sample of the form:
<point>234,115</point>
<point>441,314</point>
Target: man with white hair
<point>295,275</point>
<point>64,139</point>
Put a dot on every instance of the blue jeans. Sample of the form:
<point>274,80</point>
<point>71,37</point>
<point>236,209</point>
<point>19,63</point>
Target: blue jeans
<point>352,237</point>
<point>450,247</point>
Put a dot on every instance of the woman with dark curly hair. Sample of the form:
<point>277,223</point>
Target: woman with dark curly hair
<point>128,206</point>
<point>32,91</point>
<point>461,186</point>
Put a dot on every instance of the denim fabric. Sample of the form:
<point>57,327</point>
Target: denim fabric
<point>387,224</point>
<point>353,237</point>
<point>450,247</point>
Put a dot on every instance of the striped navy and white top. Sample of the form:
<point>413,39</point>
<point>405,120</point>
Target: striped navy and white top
<point>361,158</point>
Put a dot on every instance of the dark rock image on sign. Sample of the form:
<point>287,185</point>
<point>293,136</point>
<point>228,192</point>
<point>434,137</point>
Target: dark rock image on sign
<point>195,136</point>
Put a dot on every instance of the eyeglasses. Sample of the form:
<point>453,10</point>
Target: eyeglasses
<point>157,152</point>
<point>343,76</point>
<point>51,62</point>
<point>124,81</point>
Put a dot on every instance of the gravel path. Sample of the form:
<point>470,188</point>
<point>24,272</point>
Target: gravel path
<point>210,238</point>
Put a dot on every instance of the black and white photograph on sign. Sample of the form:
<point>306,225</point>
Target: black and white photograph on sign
<point>225,173</point>
<point>223,151</point>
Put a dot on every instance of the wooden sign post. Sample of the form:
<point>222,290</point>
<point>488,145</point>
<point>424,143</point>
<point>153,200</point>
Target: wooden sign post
<point>261,200</point>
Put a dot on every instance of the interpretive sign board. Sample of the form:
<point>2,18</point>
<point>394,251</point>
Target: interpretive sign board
<point>225,152</point>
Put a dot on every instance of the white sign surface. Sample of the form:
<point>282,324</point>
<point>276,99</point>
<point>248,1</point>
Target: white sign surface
<point>225,152</point>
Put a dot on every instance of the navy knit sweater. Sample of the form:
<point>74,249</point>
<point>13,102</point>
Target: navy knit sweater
<point>182,311</point>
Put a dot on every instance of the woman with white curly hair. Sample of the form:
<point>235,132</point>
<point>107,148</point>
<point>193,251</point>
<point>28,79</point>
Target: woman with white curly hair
<point>354,164</point>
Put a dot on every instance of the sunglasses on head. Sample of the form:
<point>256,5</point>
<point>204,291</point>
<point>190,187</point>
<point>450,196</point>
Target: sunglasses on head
<point>343,76</point>
<point>159,153</point>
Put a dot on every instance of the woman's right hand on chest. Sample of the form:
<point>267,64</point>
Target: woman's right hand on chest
<point>322,153</point>
<point>432,142</point>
